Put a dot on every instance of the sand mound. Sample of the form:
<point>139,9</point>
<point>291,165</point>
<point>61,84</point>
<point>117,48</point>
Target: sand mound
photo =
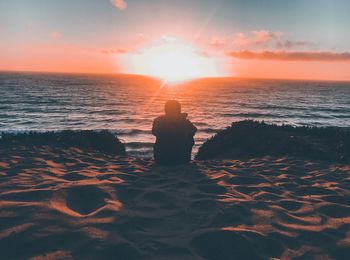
<point>67,204</point>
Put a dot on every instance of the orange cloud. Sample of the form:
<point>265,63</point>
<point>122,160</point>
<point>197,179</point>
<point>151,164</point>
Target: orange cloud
<point>263,36</point>
<point>115,51</point>
<point>291,56</point>
<point>218,42</point>
<point>260,37</point>
<point>273,69</point>
<point>120,4</point>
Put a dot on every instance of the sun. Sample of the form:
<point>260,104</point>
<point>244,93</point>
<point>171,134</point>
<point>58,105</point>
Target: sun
<point>173,61</point>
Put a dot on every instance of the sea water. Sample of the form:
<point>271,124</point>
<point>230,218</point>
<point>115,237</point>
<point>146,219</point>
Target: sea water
<point>127,104</point>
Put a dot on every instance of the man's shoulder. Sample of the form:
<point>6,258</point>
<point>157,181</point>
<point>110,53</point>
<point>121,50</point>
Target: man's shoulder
<point>162,117</point>
<point>159,119</point>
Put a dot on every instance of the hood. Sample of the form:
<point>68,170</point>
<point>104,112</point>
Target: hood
<point>176,116</point>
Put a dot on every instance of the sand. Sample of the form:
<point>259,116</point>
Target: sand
<point>73,204</point>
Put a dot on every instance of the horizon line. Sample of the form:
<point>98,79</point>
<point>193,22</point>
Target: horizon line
<point>152,77</point>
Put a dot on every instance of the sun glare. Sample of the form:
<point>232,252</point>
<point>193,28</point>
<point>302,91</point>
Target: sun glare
<point>173,61</point>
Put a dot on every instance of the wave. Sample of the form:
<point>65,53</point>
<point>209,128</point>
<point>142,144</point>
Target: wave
<point>244,115</point>
<point>106,112</point>
<point>208,130</point>
<point>139,145</point>
<point>200,124</point>
<point>278,115</point>
<point>135,120</point>
<point>132,132</point>
<point>263,107</point>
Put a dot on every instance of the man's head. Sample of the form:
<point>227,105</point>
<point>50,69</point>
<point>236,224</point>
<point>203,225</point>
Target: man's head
<point>172,107</point>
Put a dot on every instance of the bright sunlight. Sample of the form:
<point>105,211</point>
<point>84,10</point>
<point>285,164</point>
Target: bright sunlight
<point>173,61</point>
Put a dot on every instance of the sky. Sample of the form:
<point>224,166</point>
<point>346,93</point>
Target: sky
<point>294,39</point>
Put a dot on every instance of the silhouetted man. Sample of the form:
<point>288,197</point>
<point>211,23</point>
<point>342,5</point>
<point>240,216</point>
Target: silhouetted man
<point>174,134</point>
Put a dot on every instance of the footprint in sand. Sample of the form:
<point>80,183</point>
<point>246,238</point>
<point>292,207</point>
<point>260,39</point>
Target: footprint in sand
<point>74,177</point>
<point>290,205</point>
<point>82,201</point>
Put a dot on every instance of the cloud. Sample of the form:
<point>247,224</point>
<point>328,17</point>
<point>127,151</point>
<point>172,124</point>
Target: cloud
<point>263,36</point>
<point>120,4</point>
<point>55,35</point>
<point>291,56</point>
<point>115,51</point>
<point>255,38</point>
<point>218,42</point>
<point>292,44</point>
<point>143,37</point>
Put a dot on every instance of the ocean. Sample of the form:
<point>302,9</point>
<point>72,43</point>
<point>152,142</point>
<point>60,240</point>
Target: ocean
<point>127,104</point>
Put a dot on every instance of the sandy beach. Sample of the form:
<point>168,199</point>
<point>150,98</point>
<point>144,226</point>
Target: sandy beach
<point>67,203</point>
<point>209,130</point>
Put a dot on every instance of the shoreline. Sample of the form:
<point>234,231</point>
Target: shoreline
<point>242,139</point>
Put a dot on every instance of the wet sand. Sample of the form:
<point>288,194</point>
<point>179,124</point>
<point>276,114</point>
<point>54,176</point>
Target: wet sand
<point>73,204</point>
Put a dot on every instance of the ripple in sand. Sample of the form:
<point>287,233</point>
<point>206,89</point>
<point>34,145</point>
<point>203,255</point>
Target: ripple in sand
<point>230,244</point>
